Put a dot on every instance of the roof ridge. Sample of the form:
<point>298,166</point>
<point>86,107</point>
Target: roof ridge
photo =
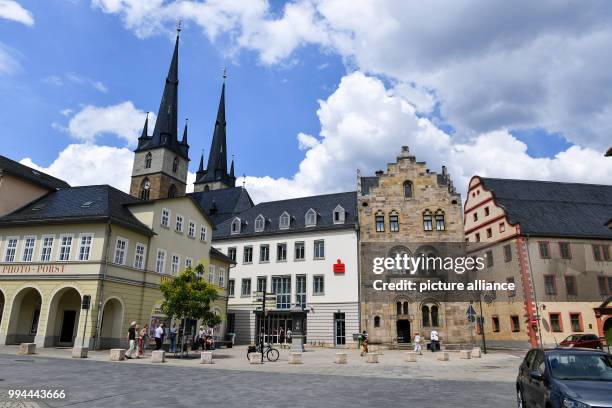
<point>545,181</point>
<point>305,197</point>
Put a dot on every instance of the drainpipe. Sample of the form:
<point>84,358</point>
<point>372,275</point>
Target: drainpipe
<point>101,297</point>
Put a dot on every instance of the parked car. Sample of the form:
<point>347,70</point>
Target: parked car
<point>565,378</point>
<point>583,340</point>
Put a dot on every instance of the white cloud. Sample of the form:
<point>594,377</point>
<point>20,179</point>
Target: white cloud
<point>74,79</point>
<point>123,120</point>
<point>363,125</point>
<point>86,164</point>
<point>8,63</point>
<point>11,10</point>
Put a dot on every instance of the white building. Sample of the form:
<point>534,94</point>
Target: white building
<point>289,248</point>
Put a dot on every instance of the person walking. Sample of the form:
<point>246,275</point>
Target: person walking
<point>173,334</point>
<point>289,337</point>
<point>364,343</point>
<point>202,337</point>
<point>433,337</point>
<point>142,340</point>
<point>131,334</point>
<point>417,343</point>
<point>281,337</point>
<point>159,335</point>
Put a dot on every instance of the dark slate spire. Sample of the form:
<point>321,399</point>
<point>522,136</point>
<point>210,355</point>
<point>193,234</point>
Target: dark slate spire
<point>231,173</point>
<point>145,129</point>
<point>166,126</point>
<point>216,170</point>
<point>184,141</point>
<point>200,173</point>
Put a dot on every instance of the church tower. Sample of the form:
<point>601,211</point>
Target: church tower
<point>215,176</point>
<point>161,160</point>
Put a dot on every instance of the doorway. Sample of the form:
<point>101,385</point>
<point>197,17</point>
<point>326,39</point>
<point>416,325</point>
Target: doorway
<point>67,331</point>
<point>339,329</point>
<point>403,331</point>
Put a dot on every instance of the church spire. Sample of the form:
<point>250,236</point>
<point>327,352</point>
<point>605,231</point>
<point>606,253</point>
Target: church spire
<point>184,141</point>
<point>145,128</point>
<point>216,169</point>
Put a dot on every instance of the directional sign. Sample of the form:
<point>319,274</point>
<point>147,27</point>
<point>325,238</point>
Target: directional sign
<point>471,311</point>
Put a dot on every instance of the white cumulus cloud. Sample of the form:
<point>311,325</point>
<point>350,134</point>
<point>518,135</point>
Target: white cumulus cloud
<point>11,10</point>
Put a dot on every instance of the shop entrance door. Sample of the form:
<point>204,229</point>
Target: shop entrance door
<point>67,326</point>
<point>339,329</point>
<point>403,331</point>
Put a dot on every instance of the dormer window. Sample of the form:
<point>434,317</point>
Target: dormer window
<point>260,223</point>
<point>311,218</point>
<point>284,221</point>
<point>235,229</point>
<point>175,165</point>
<point>339,215</point>
<point>148,160</point>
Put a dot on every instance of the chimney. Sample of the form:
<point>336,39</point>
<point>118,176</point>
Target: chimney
<point>379,173</point>
<point>444,171</point>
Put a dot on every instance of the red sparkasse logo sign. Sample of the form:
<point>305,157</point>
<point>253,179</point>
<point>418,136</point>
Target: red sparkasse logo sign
<point>339,266</point>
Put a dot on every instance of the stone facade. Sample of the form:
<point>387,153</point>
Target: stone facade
<point>393,316</point>
<point>160,173</point>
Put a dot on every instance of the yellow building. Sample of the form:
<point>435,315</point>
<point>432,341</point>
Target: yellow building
<point>100,242</point>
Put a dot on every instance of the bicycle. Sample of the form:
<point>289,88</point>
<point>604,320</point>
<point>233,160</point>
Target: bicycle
<point>269,352</point>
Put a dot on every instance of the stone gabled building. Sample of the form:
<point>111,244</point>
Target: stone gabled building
<point>408,210</point>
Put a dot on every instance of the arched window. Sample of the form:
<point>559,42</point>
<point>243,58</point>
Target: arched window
<point>172,191</point>
<point>284,221</point>
<point>427,221</point>
<point>405,308</point>
<point>260,223</point>
<point>434,316</point>
<point>425,313</point>
<point>148,159</point>
<point>399,308</point>
<point>379,219</point>
<point>393,221</point>
<point>311,218</point>
<point>440,220</point>
<point>175,165</point>
<point>145,188</point>
<point>407,189</point>
<point>376,321</point>
<point>235,228</point>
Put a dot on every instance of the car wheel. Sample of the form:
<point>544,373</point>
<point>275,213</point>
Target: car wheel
<point>520,401</point>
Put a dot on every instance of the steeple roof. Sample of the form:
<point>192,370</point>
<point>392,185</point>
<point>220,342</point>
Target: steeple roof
<point>165,131</point>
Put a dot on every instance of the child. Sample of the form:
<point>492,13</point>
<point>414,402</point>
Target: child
<point>364,343</point>
<point>417,343</point>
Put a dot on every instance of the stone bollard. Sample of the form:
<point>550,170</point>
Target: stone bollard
<point>443,356</point>
<point>295,358</point>
<point>158,356</point>
<point>411,357</point>
<point>341,358</point>
<point>27,348</point>
<point>206,357</point>
<point>80,352</point>
<point>476,353</point>
<point>465,354</point>
<point>372,358</point>
<point>255,358</point>
<point>117,354</point>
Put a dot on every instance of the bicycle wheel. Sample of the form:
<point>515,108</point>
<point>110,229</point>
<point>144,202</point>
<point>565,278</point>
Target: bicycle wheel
<point>272,354</point>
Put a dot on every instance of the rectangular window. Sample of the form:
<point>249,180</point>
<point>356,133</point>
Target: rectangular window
<point>515,324</point>
<point>160,261</point>
<point>544,248</point>
<point>299,251</point>
<point>511,293</point>
<point>565,250</point>
<point>486,211</point>
<point>489,256</point>
<point>380,223</point>
<point>203,233</point>
<point>231,253</point>
<point>65,247</point>
<point>318,285</point>
<point>550,285</point>
<point>264,253</point>
<point>139,256</point>
<point>28,249</point>
<point>179,223</point>
<point>570,285</point>
<point>281,287</point>
<point>576,321</point>
<point>281,252</point>
<point>440,226</point>
<point>175,265</point>
<point>221,277</point>
<point>605,252</point>
<point>120,251</point>
<point>603,285</point>
<point>495,324</point>
<point>502,226</point>
<point>188,262</point>
<point>427,223</point>
<point>165,218</point>
<point>507,253</point>
<point>477,237</point>
<point>489,232</point>
<point>211,274</point>
<point>393,223</point>
<point>47,248</point>
<point>247,256</point>
<point>231,288</point>
<point>300,291</point>
<point>555,322</point>
<point>246,288</point>
<point>85,247</point>
<point>262,283</point>
<point>191,231</point>
<point>319,249</point>
<point>597,255</point>
<point>475,216</point>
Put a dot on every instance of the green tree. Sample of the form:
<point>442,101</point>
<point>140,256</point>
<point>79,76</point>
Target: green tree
<point>188,296</point>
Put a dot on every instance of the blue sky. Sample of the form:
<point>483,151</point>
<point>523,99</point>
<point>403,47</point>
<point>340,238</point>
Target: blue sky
<point>315,89</point>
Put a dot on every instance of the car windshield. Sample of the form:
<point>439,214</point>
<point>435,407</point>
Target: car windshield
<point>571,338</point>
<point>580,366</point>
